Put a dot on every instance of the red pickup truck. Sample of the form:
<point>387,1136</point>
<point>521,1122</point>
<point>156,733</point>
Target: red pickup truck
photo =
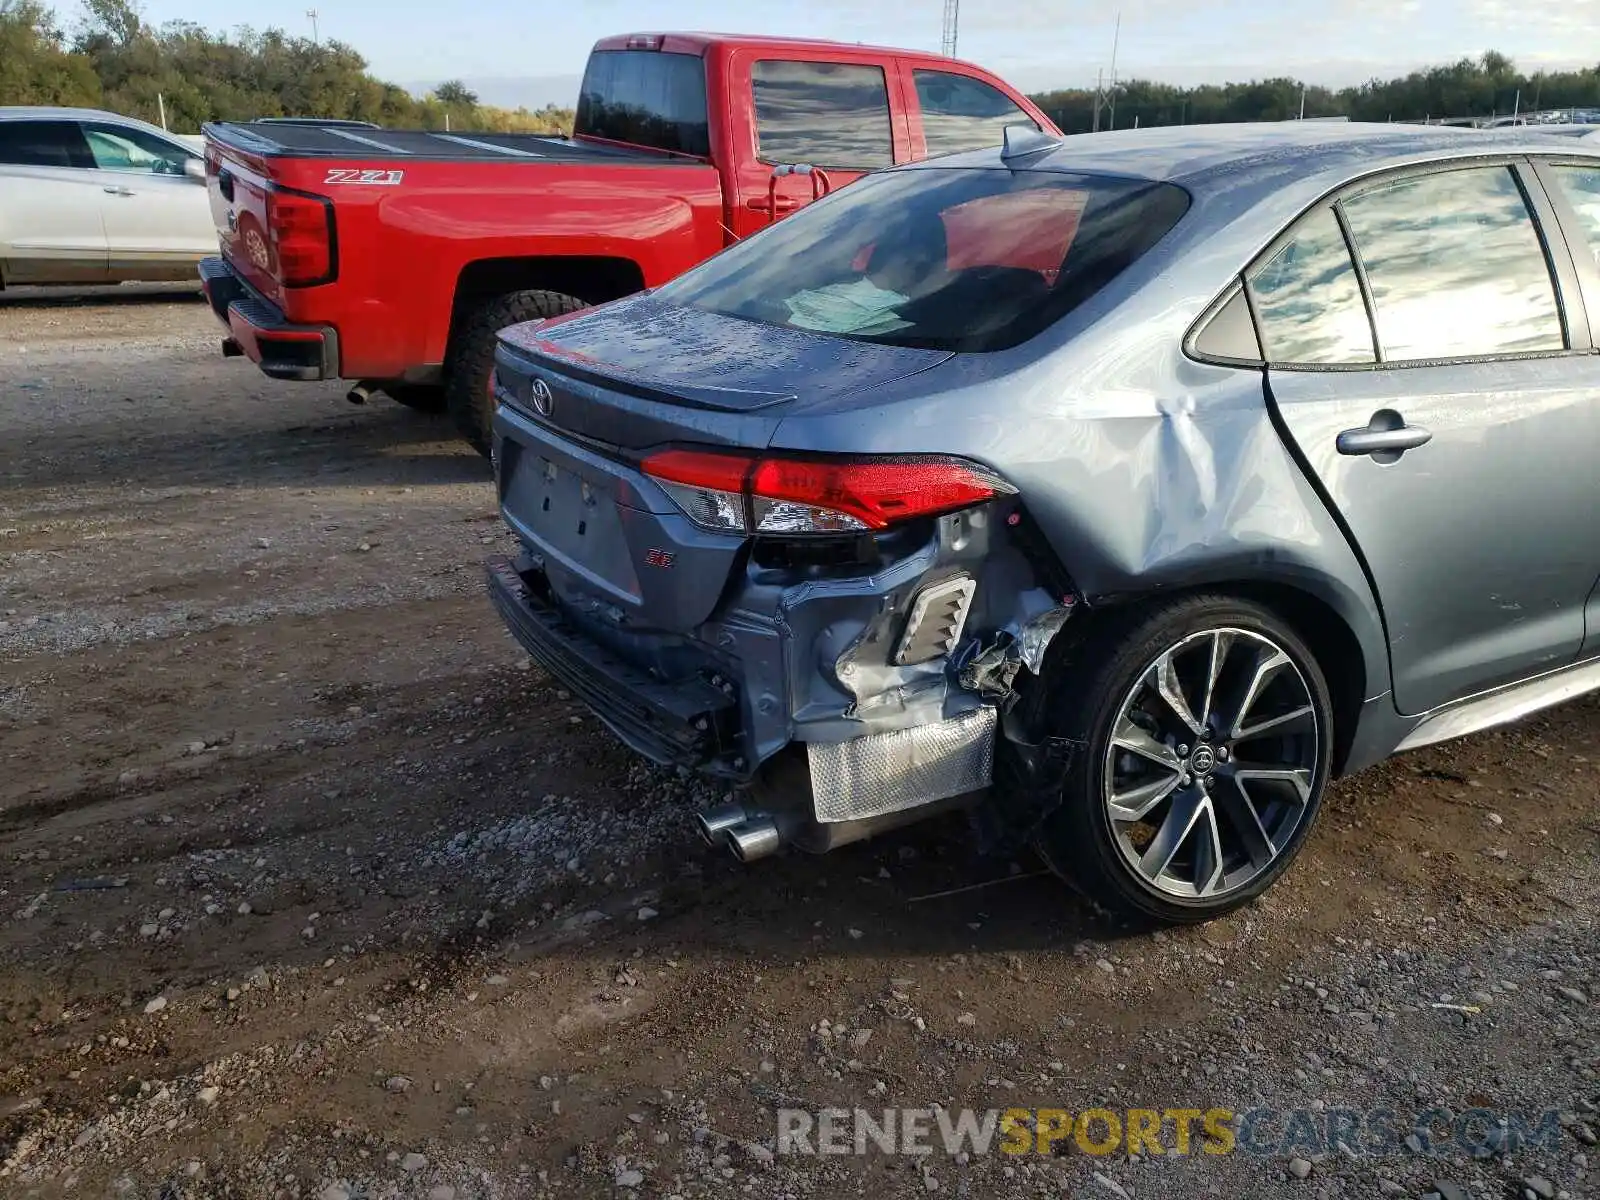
<point>392,257</point>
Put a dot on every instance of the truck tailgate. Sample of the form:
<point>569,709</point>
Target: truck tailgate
<point>408,212</point>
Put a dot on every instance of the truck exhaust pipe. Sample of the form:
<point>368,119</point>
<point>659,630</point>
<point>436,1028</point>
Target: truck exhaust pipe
<point>714,823</point>
<point>361,393</point>
<point>758,837</point>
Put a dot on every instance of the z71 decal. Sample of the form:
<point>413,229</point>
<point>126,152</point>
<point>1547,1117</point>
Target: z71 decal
<point>377,178</point>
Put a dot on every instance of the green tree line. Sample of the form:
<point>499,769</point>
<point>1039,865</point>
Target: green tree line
<point>1485,87</point>
<point>113,59</point>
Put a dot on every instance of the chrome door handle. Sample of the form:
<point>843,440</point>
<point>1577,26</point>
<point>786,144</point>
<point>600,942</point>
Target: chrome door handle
<point>1385,437</point>
<point>117,191</point>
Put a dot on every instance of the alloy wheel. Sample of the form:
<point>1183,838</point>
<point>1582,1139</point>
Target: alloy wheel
<point>1212,763</point>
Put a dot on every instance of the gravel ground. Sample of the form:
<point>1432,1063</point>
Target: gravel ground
<point>310,887</point>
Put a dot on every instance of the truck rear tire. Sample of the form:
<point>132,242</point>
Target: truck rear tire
<point>467,394</point>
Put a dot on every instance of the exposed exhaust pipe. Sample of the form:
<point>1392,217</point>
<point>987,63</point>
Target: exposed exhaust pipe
<point>715,822</point>
<point>360,394</point>
<point>756,838</point>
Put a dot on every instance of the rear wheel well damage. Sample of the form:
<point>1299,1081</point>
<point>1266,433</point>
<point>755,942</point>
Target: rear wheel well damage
<point>593,279</point>
<point>1031,765</point>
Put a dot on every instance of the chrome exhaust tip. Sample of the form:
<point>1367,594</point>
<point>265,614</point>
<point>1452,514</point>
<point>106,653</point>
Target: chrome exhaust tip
<point>714,823</point>
<point>756,838</point>
<point>360,394</point>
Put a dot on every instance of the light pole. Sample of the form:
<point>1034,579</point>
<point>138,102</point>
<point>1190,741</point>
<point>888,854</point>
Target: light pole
<point>312,14</point>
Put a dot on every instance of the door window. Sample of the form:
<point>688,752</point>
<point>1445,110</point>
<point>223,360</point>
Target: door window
<point>825,114</point>
<point>962,113</point>
<point>1308,300</point>
<point>43,144</point>
<point>1456,266</point>
<point>1582,188</point>
<point>118,148</point>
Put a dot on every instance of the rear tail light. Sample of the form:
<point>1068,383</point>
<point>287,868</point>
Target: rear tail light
<point>300,232</point>
<point>739,493</point>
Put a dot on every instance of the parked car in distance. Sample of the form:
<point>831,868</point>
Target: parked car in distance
<point>391,257</point>
<point>1552,129</point>
<point>1126,489</point>
<point>92,197</point>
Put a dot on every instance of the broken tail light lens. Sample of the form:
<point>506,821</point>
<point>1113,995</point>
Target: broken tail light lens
<point>301,231</point>
<point>739,493</point>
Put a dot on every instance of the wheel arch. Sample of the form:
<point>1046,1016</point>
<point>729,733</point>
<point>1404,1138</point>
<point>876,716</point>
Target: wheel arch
<point>594,279</point>
<point>1351,652</point>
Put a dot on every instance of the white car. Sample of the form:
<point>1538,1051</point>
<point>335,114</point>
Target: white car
<point>91,197</point>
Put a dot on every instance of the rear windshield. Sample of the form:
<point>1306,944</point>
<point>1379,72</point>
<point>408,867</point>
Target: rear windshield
<point>962,260</point>
<point>647,98</point>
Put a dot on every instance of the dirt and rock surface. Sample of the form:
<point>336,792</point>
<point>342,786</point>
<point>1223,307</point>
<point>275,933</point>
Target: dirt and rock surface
<point>310,887</point>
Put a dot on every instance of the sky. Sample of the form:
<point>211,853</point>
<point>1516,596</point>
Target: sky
<point>514,51</point>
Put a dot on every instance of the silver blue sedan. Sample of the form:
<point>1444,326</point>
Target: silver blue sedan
<point>1120,490</point>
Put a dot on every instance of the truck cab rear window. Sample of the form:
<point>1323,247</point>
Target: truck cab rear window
<point>646,98</point>
<point>959,260</point>
<point>825,114</point>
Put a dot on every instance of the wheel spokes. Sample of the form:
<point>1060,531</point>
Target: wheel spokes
<point>1235,806</point>
<point>1188,806</point>
<point>1170,689</point>
<point>1208,857</point>
<point>1269,661</point>
<point>1191,815</point>
<point>1134,803</point>
<point>1296,720</point>
<point>1298,778</point>
<point>1138,740</point>
<point>1221,645</point>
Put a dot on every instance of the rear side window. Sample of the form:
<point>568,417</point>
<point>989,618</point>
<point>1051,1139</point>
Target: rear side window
<point>962,113</point>
<point>959,260</point>
<point>43,144</point>
<point>825,114</point>
<point>118,148</point>
<point>1455,266</point>
<point>1581,186</point>
<point>646,98</point>
<point>1308,300</point>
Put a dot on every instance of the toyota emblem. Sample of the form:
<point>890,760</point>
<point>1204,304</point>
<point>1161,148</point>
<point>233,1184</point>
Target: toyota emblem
<point>543,398</point>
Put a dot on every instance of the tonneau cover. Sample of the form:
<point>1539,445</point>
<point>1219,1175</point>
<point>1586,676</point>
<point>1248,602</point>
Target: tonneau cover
<point>273,140</point>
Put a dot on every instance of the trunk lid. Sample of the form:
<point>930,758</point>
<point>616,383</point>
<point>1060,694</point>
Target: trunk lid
<point>706,369</point>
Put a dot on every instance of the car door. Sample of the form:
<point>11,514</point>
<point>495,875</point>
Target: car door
<point>1439,385</point>
<point>825,111</point>
<point>50,224</point>
<point>1573,186</point>
<point>156,213</point>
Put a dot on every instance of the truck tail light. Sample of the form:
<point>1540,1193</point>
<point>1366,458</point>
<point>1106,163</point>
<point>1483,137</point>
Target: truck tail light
<point>740,493</point>
<point>300,231</point>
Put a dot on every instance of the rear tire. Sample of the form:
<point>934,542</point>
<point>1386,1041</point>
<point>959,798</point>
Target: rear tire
<point>1141,779</point>
<point>424,398</point>
<point>467,388</point>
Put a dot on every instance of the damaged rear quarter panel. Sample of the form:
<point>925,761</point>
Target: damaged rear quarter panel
<point>1145,470</point>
